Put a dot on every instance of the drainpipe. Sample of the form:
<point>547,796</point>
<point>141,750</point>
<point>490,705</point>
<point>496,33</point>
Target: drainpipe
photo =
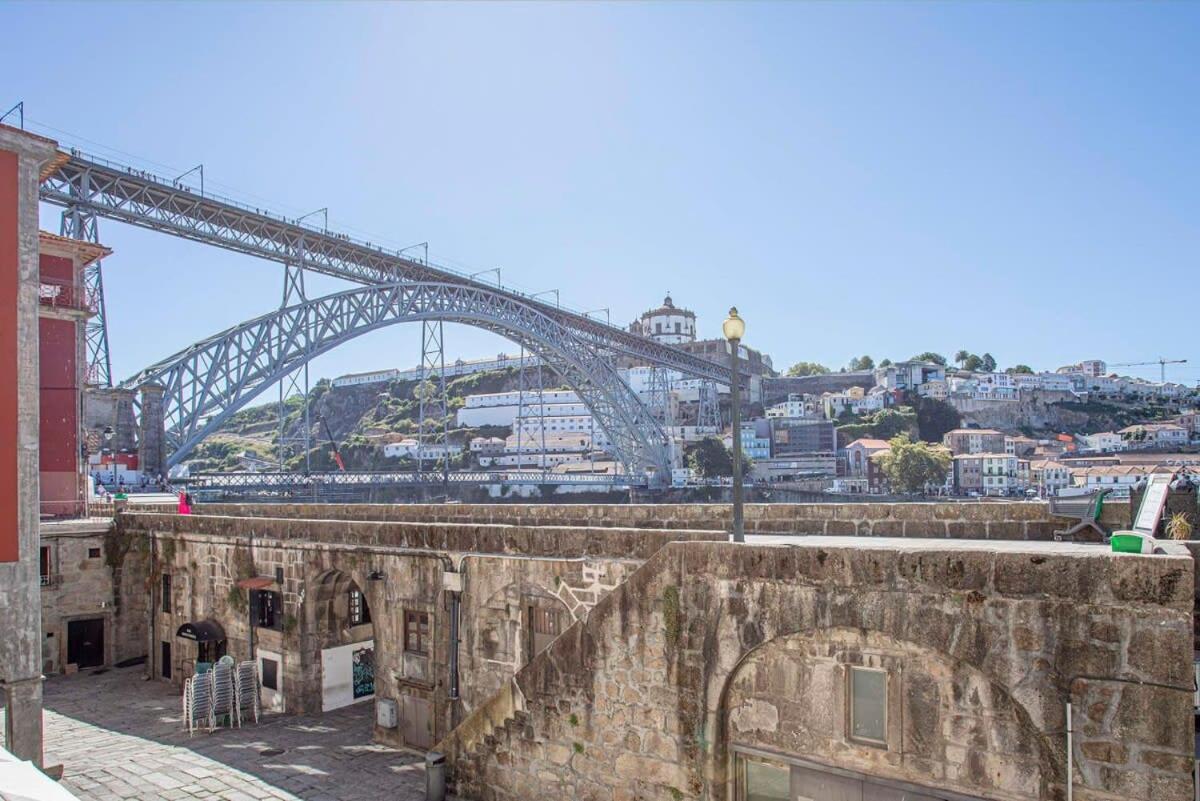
<point>1070,755</point>
<point>455,604</point>
<point>249,597</point>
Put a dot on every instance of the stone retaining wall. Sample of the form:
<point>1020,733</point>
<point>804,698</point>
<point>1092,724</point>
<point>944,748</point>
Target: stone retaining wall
<point>711,648</point>
<point>977,520</point>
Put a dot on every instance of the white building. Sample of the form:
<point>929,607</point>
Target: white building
<point>1118,478</point>
<point>938,390</point>
<point>1155,435</point>
<point>409,448</point>
<point>668,324</point>
<point>373,377</point>
<point>502,408</point>
<point>796,405</point>
<point>1103,442</point>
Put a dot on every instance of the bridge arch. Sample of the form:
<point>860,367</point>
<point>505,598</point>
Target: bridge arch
<point>212,379</point>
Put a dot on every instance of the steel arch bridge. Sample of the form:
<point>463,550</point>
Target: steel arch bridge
<point>209,381</point>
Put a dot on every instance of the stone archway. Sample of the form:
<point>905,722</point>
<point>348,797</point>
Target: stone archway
<point>788,702</point>
<point>340,641</point>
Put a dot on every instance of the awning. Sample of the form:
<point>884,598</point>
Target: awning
<point>256,583</point>
<point>202,631</point>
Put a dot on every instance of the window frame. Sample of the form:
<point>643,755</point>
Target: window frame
<point>359,614</point>
<point>45,565</point>
<point>275,606</point>
<point>165,601</point>
<point>851,735</point>
<point>423,639</point>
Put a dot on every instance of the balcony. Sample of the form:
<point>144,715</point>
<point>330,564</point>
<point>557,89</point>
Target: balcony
<point>66,296</point>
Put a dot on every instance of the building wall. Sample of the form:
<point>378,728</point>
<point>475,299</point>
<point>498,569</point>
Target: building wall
<point>80,587</point>
<point>22,157</point>
<point>712,647</point>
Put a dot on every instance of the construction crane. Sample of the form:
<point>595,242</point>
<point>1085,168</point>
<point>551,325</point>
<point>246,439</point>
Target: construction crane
<point>1162,366</point>
<point>337,455</point>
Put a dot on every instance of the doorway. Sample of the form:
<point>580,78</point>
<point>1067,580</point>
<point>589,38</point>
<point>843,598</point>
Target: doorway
<point>166,660</point>
<point>85,642</point>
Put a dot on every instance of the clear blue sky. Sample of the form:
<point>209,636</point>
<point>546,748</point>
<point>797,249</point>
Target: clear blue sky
<point>1019,178</point>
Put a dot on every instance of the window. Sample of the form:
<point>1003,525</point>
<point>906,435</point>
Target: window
<point>266,609</point>
<point>360,613</point>
<point>270,674</point>
<point>166,593</point>
<point>93,553</point>
<point>764,781</point>
<point>868,705</point>
<point>279,576</point>
<point>416,632</point>
<point>44,563</point>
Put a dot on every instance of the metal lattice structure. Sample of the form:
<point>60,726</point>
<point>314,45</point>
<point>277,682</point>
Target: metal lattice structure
<point>433,406</point>
<point>79,224</point>
<point>102,188</point>
<point>209,381</point>
<point>296,382</point>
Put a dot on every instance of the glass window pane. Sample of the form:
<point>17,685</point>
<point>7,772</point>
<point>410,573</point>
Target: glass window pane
<point>767,782</point>
<point>868,704</point>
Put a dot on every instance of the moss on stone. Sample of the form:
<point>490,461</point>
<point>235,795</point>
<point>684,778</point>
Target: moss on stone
<point>671,614</point>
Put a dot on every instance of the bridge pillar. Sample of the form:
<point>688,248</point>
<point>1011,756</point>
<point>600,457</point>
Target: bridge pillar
<point>152,454</point>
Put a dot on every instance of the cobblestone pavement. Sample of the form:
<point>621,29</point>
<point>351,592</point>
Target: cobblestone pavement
<point>120,737</point>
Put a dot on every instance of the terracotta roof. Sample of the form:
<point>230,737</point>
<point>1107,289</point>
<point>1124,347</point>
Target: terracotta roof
<point>86,252</point>
<point>867,442</point>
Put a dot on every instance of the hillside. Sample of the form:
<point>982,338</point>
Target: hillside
<point>361,418</point>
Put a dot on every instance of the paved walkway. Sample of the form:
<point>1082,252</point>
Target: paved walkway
<point>120,737</point>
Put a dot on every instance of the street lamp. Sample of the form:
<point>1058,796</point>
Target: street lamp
<point>734,328</point>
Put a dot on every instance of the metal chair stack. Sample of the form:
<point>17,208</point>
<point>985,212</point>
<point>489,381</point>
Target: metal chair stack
<point>198,703</point>
<point>246,691</point>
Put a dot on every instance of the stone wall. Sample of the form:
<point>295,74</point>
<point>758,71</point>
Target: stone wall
<point>87,559</point>
<point>1024,520</point>
<point>712,649</point>
<point>496,573</point>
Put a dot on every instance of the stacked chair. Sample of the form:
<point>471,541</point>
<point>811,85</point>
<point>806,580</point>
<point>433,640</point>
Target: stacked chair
<point>226,695</point>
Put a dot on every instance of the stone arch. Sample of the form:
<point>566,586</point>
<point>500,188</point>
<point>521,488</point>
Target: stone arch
<point>958,728</point>
<point>499,641</point>
<point>328,603</point>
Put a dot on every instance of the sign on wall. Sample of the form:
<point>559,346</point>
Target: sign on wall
<point>347,674</point>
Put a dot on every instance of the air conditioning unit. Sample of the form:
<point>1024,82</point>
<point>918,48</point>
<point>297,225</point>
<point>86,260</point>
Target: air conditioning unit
<point>386,714</point>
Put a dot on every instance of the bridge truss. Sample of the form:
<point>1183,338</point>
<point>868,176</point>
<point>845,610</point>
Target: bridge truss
<point>210,380</point>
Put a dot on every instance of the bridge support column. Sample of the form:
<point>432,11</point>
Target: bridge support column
<point>152,452</point>
<point>79,224</point>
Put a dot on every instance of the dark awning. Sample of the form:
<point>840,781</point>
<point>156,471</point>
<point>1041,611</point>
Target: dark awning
<point>202,631</point>
<point>256,583</point>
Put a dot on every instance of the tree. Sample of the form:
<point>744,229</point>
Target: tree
<point>936,417</point>
<point>988,363</point>
<point>885,363</point>
<point>972,363</point>
<point>807,368</point>
<point>1020,369</point>
<point>709,458</point>
<point>961,357</point>
<point>930,356</point>
<point>862,363</point>
<point>911,466</point>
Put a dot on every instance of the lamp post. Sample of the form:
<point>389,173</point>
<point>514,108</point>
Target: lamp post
<point>734,328</point>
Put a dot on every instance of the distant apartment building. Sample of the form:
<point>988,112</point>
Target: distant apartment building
<point>1102,442</point>
<point>907,376</point>
<point>1154,435</point>
<point>985,473</point>
<point>974,440</point>
<point>938,390</point>
<point>1089,367</point>
<point>791,436</point>
<point>1120,479</point>
<point>796,405</point>
<point>411,449</point>
<point>1048,476</point>
<point>863,473</point>
<point>756,439</point>
<point>459,367</point>
<point>1019,446</point>
<point>502,408</point>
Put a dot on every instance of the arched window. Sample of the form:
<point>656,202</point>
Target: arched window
<point>360,612</point>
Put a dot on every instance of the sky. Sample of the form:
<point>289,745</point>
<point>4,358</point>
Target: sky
<point>857,178</point>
